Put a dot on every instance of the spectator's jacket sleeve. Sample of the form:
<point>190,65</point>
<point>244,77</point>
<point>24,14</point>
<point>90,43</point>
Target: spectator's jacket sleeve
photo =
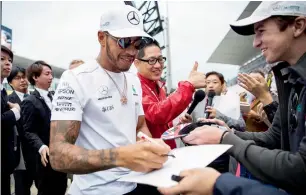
<point>29,126</point>
<point>228,184</point>
<point>8,118</point>
<point>165,111</point>
<point>232,123</point>
<point>281,168</point>
<point>270,110</point>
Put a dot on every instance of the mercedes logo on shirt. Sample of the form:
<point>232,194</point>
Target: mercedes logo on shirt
<point>103,90</point>
<point>133,18</point>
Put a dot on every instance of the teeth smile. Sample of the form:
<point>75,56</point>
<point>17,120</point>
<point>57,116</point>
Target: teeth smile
<point>263,50</point>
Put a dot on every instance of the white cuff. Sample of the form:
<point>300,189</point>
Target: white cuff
<point>41,148</point>
<point>16,113</point>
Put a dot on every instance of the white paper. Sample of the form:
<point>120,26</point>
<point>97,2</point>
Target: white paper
<point>228,105</point>
<point>186,158</point>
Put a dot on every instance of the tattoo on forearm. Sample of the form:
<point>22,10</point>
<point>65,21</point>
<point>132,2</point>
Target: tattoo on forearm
<point>67,157</point>
<point>109,159</point>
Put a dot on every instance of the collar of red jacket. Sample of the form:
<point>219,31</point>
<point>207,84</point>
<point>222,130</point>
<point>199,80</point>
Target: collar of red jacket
<point>149,82</point>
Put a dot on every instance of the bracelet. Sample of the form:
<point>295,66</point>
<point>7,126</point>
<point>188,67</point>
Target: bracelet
<point>222,136</point>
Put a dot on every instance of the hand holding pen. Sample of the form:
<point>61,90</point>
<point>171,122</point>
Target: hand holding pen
<point>144,156</point>
<point>144,137</point>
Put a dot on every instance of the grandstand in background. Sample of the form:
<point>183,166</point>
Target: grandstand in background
<point>238,50</point>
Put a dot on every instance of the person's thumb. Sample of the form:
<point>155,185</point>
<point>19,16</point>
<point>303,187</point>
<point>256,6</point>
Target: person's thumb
<point>195,66</point>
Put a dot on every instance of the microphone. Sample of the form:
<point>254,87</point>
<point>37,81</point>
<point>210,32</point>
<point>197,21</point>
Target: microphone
<point>198,97</point>
<point>211,95</point>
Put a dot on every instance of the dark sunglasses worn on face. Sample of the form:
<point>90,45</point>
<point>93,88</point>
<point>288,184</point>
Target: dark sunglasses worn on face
<point>124,43</point>
<point>153,61</point>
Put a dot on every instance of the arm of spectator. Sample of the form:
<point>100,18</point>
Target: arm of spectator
<point>270,110</point>
<point>232,123</point>
<point>174,105</point>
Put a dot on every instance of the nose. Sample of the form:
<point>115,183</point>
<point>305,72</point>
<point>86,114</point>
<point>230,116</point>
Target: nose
<point>256,41</point>
<point>157,65</point>
<point>8,63</point>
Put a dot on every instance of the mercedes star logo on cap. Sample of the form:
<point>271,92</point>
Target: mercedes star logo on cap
<point>133,18</point>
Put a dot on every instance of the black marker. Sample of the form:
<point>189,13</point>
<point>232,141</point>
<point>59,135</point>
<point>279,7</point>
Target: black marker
<point>176,178</point>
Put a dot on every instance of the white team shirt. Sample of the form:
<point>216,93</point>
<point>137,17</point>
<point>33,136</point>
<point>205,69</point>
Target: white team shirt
<point>87,94</point>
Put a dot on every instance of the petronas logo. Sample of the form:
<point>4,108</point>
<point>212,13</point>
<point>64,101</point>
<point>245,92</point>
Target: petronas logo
<point>134,91</point>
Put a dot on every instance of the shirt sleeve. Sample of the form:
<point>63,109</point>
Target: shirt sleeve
<point>232,123</point>
<point>140,107</point>
<point>67,100</point>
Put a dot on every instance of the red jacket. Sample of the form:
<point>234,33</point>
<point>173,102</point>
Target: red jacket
<point>160,110</point>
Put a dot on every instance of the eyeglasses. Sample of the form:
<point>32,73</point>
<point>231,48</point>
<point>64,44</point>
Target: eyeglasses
<point>19,78</point>
<point>153,61</point>
<point>124,43</point>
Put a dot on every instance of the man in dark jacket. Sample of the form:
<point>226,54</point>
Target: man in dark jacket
<point>10,114</point>
<point>277,156</point>
<point>24,172</point>
<point>36,115</point>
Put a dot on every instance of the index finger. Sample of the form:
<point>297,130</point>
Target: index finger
<point>195,66</point>
<point>161,142</point>
<point>156,148</point>
<point>250,79</point>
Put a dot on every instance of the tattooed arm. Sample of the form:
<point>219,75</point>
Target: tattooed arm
<point>69,158</point>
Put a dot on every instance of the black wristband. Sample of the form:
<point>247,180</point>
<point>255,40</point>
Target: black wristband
<point>222,136</point>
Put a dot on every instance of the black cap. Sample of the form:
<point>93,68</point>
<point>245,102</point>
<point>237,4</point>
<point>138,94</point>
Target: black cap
<point>8,51</point>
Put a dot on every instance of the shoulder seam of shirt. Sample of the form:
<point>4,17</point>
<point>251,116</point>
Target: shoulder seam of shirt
<point>86,71</point>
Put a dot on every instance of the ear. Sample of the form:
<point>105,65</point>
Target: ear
<point>137,63</point>
<point>299,26</point>
<point>102,38</point>
<point>34,78</point>
<point>223,86</point>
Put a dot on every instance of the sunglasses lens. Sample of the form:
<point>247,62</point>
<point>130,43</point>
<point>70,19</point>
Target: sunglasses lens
<point>124,43</point>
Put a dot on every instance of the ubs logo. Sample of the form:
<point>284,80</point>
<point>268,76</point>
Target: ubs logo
<point>103,93</point>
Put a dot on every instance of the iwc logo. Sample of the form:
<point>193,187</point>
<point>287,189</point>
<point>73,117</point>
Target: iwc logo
<point>133,18</point>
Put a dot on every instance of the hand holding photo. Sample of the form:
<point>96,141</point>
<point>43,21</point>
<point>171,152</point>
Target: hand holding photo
<point>173,133</point>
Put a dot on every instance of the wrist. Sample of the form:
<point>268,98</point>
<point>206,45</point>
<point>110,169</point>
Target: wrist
<point>223,135</point>
<point>266,98</point>
<point>121,158</point>
<point>189,83</point>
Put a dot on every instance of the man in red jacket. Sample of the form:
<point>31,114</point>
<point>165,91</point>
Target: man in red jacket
<point>159,109</point>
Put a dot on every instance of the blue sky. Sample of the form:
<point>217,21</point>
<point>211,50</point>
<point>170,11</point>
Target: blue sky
<point>58,32</point>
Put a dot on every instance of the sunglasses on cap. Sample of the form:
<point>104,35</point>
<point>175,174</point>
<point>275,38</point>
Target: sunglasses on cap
<point>124,43</point>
